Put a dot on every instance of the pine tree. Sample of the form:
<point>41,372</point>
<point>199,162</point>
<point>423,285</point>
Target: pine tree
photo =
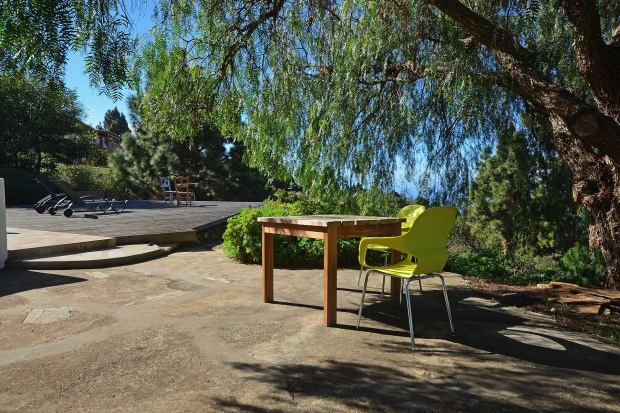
<point>115,122</point>
<point>520,200</point>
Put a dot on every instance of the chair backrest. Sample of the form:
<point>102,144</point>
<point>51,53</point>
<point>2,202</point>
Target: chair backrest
<point>71,194</point>
<point>165,183</point>
<point>181,183</point>
<point>426,241</point>
<point>410,212</point>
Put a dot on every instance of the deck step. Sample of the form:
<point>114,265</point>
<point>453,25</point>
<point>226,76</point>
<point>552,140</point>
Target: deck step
<point>30,243</point>
<point>108,257</point>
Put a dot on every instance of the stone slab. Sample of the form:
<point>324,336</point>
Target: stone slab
<point>48,315</point>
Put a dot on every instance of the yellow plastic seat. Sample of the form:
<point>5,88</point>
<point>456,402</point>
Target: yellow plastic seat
<point>410,213</point>
<point>427,254</point>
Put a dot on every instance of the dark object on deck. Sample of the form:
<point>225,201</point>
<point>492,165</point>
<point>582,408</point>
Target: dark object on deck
<point>69,202</point>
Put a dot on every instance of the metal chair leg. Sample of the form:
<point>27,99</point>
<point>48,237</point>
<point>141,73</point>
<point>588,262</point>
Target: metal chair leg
<point>445,295</point>
<point>408,299</point>
<point>411,331</point>
<point>359,316</point>
<point>359,277</point>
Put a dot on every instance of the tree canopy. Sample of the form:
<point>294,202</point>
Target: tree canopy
<point>115,121</point>
<point>342,93</point>
<point>40,124</point>
<point>338,94</point>
<point>38,35</point>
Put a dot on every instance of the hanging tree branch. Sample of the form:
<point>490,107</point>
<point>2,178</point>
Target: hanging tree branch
<point>584,121</point>
<point>598,63</point>
<point>246,33</point>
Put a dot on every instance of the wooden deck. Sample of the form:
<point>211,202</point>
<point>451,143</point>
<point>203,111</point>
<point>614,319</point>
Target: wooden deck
<point>142,221</point>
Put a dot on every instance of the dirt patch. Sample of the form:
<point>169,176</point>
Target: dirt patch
<point>12,301</point>
<point>219,304</point>
<point>33,334</point>
<point>569,305</point>
<point>123,372</point>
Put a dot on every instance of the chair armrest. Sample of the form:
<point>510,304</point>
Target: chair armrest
<point>390,242</point>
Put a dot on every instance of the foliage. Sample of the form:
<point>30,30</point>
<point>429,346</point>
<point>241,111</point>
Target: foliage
<point>357,87</point>
<point>37,35</point>
<point>583,268</point>
<point>287,197</point>
<point>115,122</point>
<point>489,266</point>
<point>40,124</point>
<point>575,266</point>
<point>243,236</point>
<point>87,177</point>
<point>210,160</point>
<point>521,199</point>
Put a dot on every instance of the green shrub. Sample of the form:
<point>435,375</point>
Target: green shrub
<point>489,266</point>
<point>477,265</point>
<point>243,236</point>
<point>86,177</point>
<point>582,268</point>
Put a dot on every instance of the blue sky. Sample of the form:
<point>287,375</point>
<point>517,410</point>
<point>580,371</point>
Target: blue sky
<point>96,105</point>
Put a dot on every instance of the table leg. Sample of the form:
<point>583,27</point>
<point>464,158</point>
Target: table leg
<point>267,267</point>
<point>330,281</point>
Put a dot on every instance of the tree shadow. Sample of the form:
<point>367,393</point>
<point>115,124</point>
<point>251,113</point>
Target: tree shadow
<point>358,387</point>
<point>471,369</point>
<point>493,329</point>
<point>17,281</point>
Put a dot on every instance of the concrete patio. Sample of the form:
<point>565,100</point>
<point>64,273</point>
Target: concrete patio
<point>188,332</point>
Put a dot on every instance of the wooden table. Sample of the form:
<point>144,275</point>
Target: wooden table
<point>329,228</point>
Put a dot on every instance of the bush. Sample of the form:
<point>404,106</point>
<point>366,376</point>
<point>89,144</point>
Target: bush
<point>583,269</point>
<point>243,236</point>
<point>576,266</point>
<point>477,265</point>
<point>489,266</point>
<point>87,177</point>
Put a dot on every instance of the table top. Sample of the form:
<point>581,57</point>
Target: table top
<point>330,220</point>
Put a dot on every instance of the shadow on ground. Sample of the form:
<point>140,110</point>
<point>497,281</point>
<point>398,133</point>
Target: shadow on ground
<point>361,387</point>
<point>15,281</point>
<point>483,332</point>
<point>493,329</point>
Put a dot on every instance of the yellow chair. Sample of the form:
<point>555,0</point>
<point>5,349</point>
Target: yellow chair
<point>410,212</point>
<point>425,246</point>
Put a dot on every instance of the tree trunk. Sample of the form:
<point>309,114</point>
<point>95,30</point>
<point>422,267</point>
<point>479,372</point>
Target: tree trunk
<point>587,137</point>
<point>596,185</point>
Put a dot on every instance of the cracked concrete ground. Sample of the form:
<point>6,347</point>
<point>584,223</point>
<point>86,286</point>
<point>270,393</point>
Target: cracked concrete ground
<point>188,332</point>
